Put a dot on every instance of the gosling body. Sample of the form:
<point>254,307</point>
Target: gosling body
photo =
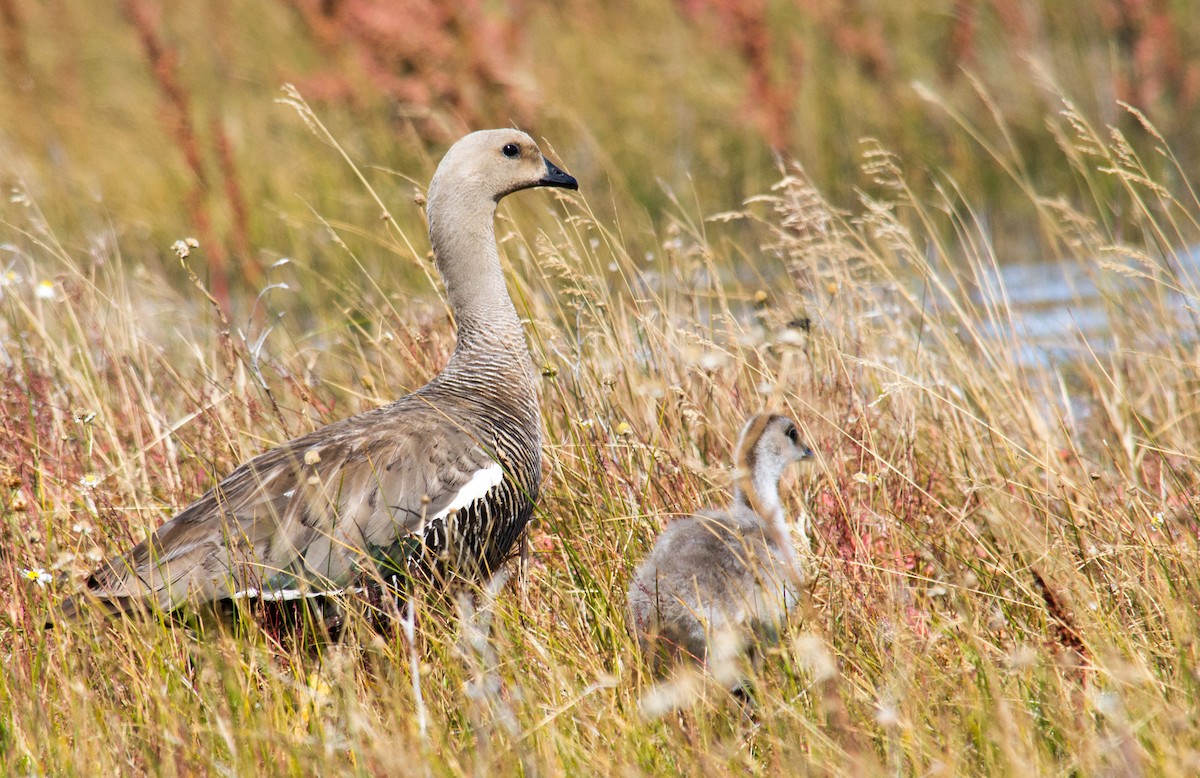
<point>724,574</point>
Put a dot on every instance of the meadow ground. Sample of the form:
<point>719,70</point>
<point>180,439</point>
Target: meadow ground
<point>1005,545</point>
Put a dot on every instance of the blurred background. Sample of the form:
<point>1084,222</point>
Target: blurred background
<point>145,121</point>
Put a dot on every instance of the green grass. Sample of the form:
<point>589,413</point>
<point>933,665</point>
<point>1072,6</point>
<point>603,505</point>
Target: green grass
<point>1004,550</point>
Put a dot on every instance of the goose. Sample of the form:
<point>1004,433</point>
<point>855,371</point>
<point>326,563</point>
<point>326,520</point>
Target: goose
<point>724,574</point>
<point>447,475</point>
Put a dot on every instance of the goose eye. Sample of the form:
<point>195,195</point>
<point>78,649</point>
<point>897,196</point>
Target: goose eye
<point>511,150</point>
<point>792,435</point>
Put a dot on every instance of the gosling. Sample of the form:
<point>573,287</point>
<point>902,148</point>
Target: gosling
<point>718,579</point>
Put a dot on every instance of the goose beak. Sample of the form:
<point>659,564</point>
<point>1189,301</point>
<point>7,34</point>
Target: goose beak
<point>556,177</point>
<point>807,454</point>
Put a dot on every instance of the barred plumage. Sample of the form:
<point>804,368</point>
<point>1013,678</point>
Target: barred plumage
<point>456,463</point>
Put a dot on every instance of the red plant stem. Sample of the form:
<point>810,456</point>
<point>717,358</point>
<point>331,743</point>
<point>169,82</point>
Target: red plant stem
<point>250,271</point>
<point>1014,21</point>
<point>962,37</point>
<point>162,62</point>
<point>749,30</point>
<point>12,41</point>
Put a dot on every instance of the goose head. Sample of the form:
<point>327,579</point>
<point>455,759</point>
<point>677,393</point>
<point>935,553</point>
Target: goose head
<point>489,164</point>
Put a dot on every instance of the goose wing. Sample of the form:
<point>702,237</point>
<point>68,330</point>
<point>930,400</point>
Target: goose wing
<point>306,516</point>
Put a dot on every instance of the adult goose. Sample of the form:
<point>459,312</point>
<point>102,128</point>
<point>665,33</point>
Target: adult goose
<point>724,574</point>
<point>453,467</point>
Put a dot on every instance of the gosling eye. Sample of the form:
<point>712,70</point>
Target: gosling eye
<point>792,435</point>
<point>511,150</point>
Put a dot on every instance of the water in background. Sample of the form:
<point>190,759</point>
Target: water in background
<point>1049,312</point>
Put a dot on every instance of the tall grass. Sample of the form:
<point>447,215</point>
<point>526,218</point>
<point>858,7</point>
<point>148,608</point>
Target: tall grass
<point>1004,547</point>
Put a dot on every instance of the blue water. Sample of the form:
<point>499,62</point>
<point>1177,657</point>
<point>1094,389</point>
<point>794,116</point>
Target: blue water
<point>1051,311</point>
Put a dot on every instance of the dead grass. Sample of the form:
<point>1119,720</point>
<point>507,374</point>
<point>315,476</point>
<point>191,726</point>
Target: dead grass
<point>1004,548</point>
<point>1005,543</point>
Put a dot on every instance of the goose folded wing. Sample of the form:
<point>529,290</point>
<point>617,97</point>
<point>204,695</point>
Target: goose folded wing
<point>303,517</point>
<point>403,488</point>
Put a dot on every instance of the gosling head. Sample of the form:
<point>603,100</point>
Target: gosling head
<point>768,444</point>
<point>489,164</point>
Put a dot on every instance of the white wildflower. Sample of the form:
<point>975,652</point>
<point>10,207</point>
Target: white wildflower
<point>37,575</point>
<point>45,290</point>
<point>184,246</point>
<point>90,481</point>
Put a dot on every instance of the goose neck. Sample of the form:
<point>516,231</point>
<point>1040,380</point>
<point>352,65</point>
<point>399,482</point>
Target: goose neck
<point>463,236</point>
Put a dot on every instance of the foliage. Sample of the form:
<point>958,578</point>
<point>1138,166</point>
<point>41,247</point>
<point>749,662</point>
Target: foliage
<point>1004,543</point>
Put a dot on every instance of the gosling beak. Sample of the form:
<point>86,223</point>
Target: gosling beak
<point>807,453</point>
<point>556,177</point>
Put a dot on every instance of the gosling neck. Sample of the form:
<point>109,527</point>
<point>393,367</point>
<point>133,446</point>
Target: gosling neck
<point>756,485</point>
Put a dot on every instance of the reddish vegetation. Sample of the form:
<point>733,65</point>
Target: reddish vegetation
<point>858,34</point>
<point>1154,67</point>
<point>12,42</point>
<point>770,98</point>
<point>962,37</point>
<point>163,61</point>
<point>444,63</point>
<point>237,204</point>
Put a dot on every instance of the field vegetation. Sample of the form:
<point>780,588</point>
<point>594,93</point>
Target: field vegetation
<point>796,205</point>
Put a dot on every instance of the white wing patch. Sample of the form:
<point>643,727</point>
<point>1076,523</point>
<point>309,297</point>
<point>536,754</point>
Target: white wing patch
<point>480,484</point>
<point>284,595</point>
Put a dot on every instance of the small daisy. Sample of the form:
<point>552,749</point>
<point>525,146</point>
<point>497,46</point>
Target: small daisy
<point>37,575</point>
<point>90,481</point>
<point>45,290</point>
